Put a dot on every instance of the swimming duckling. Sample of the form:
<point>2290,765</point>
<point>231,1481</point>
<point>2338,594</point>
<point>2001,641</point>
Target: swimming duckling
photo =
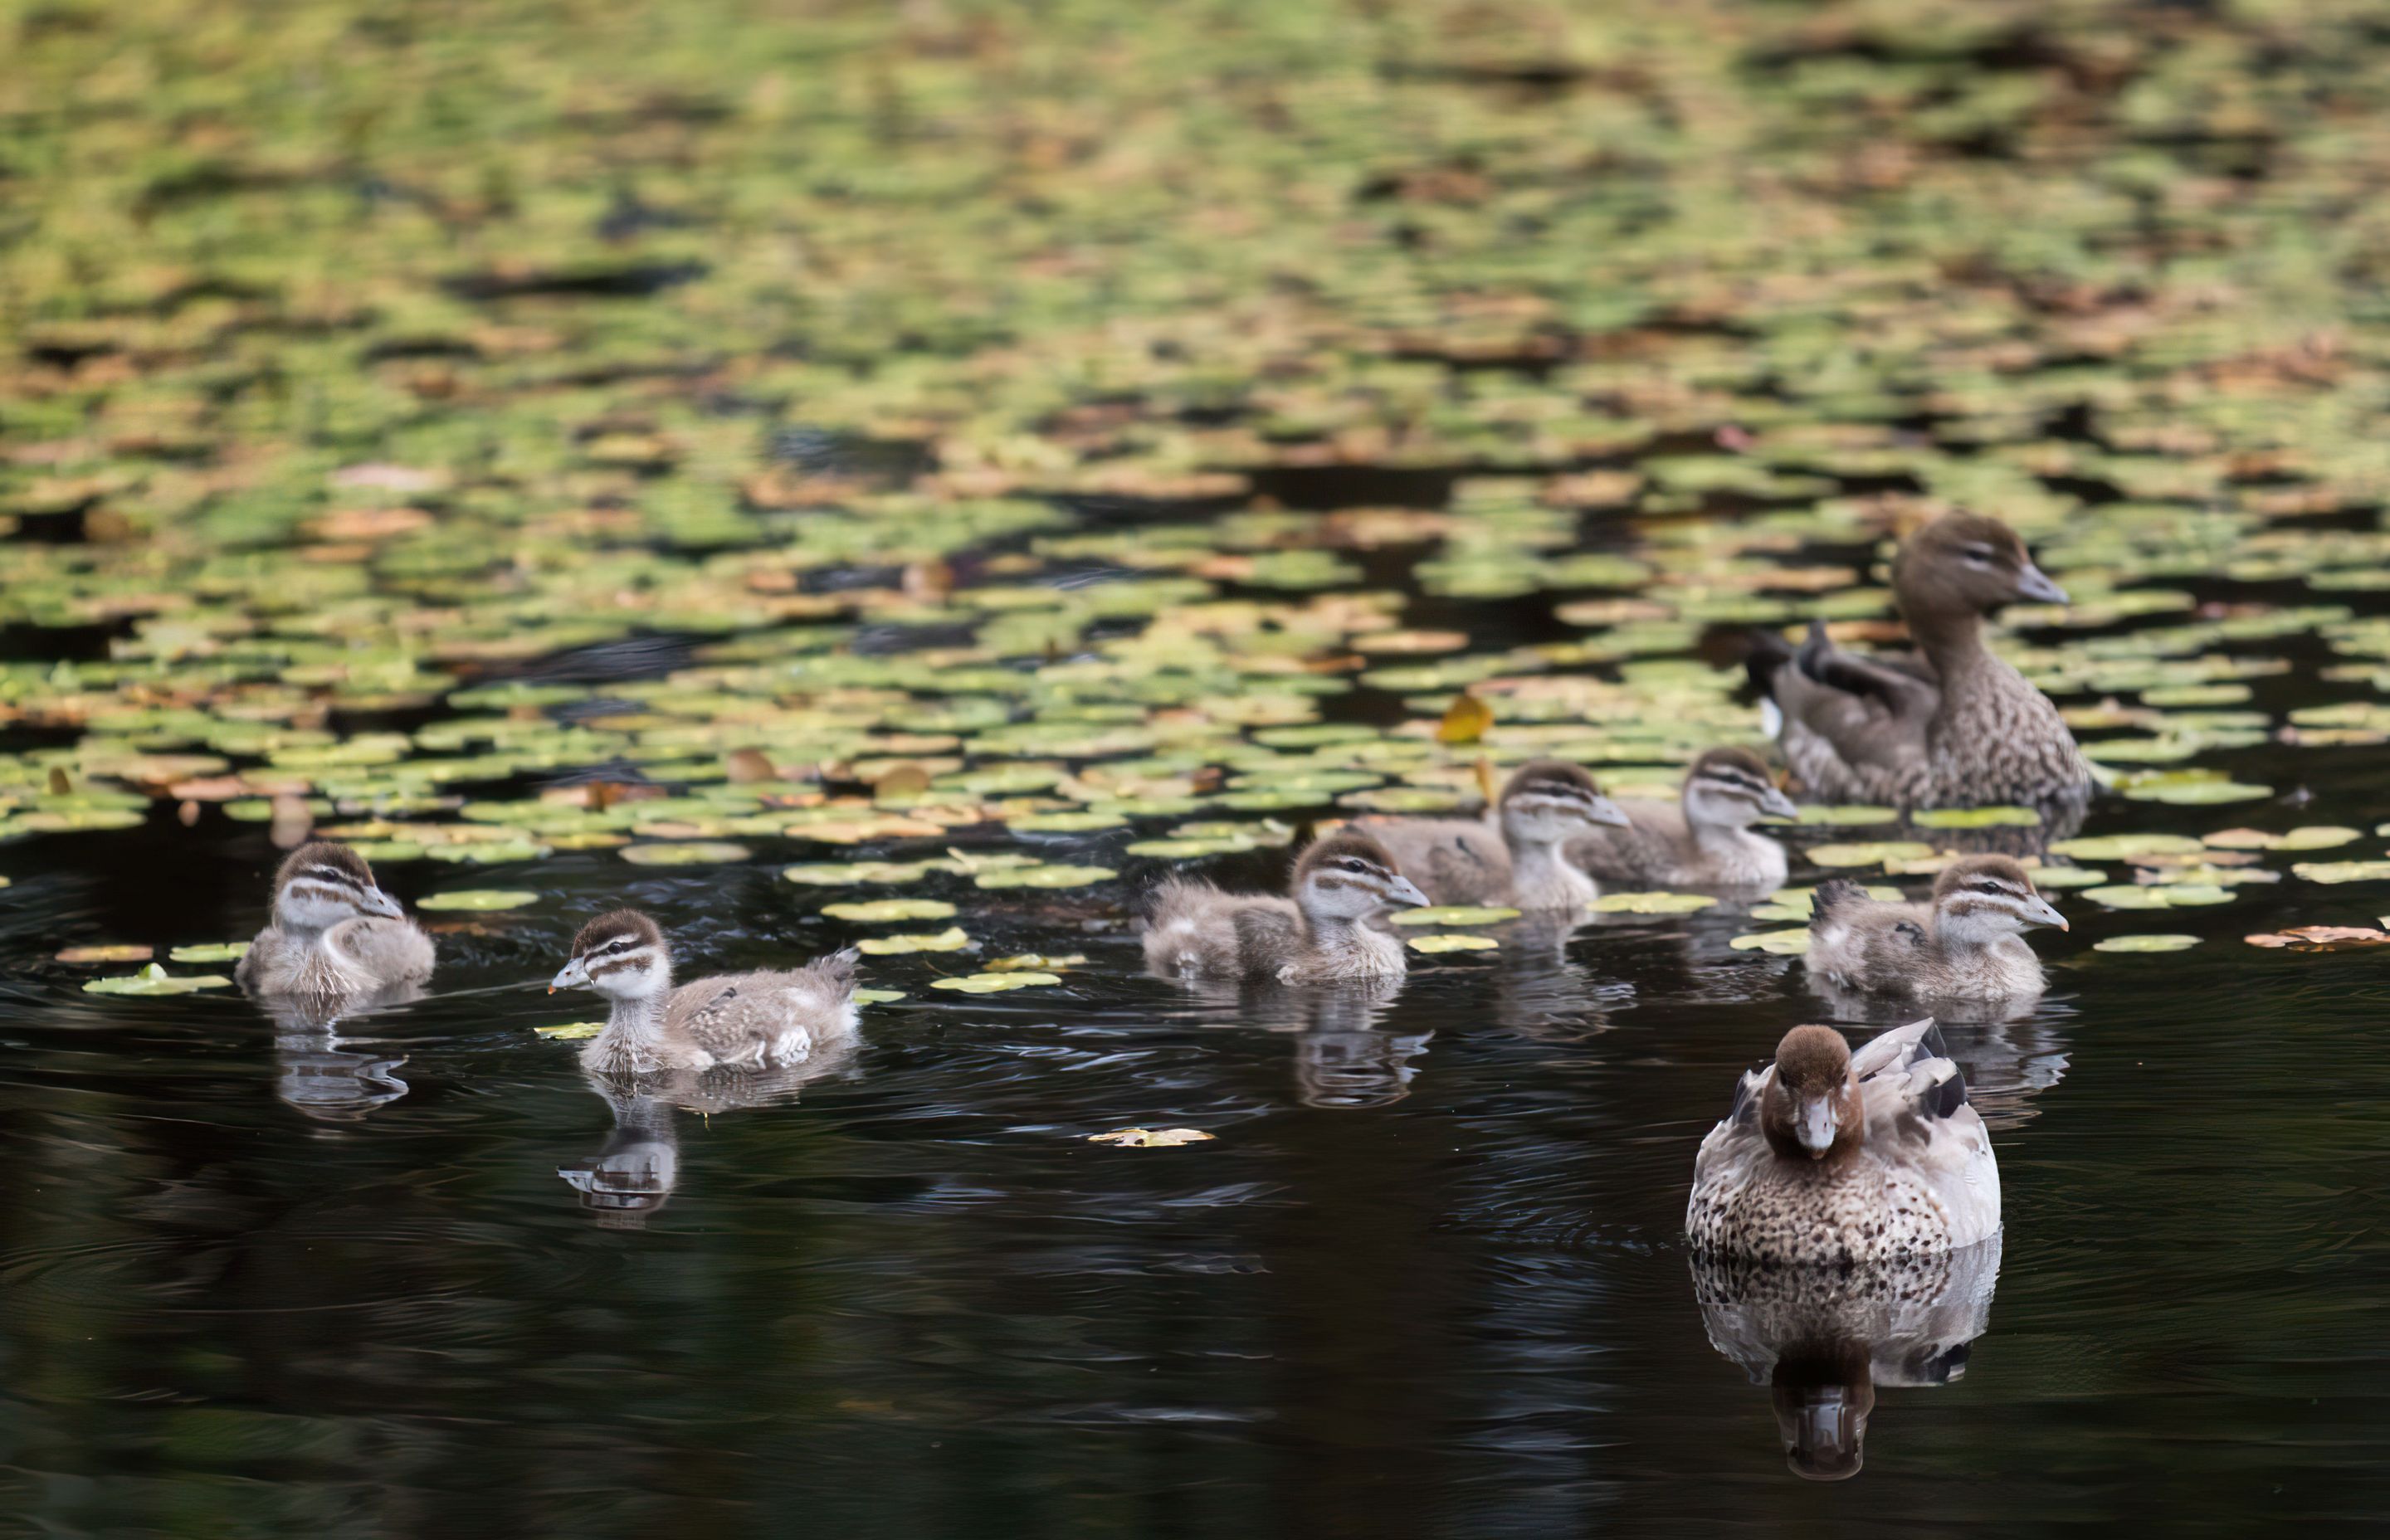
<point>1703,840</point>
<point>1515,856</point>
<point>1828,1157</point>
<point>742,1020</point>
<point>1322,933</point>
<point>1950,724</point>
<point>1967,943</point>
<point>335,936</point>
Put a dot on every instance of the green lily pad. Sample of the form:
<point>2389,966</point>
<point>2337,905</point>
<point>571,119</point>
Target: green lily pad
<point>1044,877</point>
<point>1853,816</point>
<point>839,874</point>
<point>2155,942</point>
<point>1652,904</point>
<point>876,996</point>
<point>155,979</point>
<point>1976,817</point>
<point>480,900</point>
<point>1452,943</point>
<point>952,939</point>
<point>2124,847</point>
<point>571,1032</point>
<point>1874,853</point>
<point>210,952</point>
<point>1781,943</point>
<point>2342,871</point>
<point>694,853</point>
<point>1453,914</point>
<point>1797,903</point>
<point>880,910</point>
<point>2158,895</point>
<point>991,983</point>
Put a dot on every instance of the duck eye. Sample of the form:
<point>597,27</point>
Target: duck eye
<point>1354,864</point>
<point>1988,887</point>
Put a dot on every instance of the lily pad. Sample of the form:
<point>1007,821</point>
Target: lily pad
<point>210,952</point>
<point>1453,914</point>
<point>1874,853</point>
<point>1453,943</point>
<point>2158,895</point>
<point>952,939</point>
<point>1150,1138</point>
<point>2342,871</point>
<point>1044,877</point>
<point>838,874</point>
<point>1782,943</point>
<point>1976,817</point>
<point>694,853</point>
<point>993,983</point>
<point>878,911</point>
<point>2152,943</point>
<point>479,900</point>
<point>571,1032</point>
<point>119,952</point>
<point>1652,904</point>
<point>155,979</point>
<point>876,996</point>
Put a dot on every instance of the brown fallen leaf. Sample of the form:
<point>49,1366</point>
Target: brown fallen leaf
<point>903,780</point>
<point>749,765</point>
<point>1150,1138</point>
<point>2321,938</point>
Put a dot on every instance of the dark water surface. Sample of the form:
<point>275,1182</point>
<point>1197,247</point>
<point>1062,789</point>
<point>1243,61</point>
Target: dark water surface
<point>1429,1278</point>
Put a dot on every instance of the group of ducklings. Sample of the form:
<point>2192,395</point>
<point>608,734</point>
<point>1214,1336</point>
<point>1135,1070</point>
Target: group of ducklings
<point>1826,1156</point>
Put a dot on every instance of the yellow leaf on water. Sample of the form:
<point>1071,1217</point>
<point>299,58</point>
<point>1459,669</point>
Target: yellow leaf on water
<point>571,1031</point>
<point>1465,721</point>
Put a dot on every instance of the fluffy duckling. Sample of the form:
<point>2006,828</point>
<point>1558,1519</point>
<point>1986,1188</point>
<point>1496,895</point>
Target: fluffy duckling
<point>1704,840</point>
<point>335,936</point>
<point>1323,932</point>
<point>1846,1160</point>
<point>741,1020</point>
<point>1966,942</point>
<point>1950,724</point>
<point>1516,857</point>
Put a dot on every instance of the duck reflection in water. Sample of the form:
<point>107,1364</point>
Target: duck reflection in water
<point>320,1074</point>
<point>633,1173</point>
<point>1824,1339</point>
<point>2012,1050</point>
<point>1343,1056</point>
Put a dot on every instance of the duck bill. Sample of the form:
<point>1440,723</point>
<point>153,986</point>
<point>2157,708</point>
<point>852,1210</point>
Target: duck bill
<point>2045,914</point>
<point>2034,584</point>
<point>1406,893</point>
<point>1776,804</point>
<point>573,975</point>
<point>373,901</point>
<point>1815,1124</point>
<point>1601,809</point>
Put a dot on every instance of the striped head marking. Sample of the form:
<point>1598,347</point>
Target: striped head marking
<point>1732,789</point>
<point>1964,563</point>
<point>620,955</point>
<point>321,883</point>
<point>1985,897</point>
<point>1348,876</point>
<point>1548,801</point>
<point>1811,1108</point>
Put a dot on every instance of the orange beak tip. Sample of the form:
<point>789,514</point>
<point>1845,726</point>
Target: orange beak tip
<point>551,989</point>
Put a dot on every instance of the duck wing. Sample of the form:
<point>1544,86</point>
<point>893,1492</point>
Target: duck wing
<point>1871,712</point>
<point>1453,860</point>
<point>1918,1120</point>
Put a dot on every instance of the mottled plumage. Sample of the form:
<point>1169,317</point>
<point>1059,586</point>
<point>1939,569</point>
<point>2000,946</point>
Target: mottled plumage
<point>336,938</point>
<point>1952,725</point>
<point>1513,856</point>
<point>1967,943</point>
<point>738,1020</point>
<point>1704,839</point>
<point>1343,885</point>
<point>1833,1158</point>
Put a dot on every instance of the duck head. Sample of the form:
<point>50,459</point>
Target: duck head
<point>1965,565</point>
<point>1348,877</point>
<point>1811,1109</point>
<point>1823,1392</point>
<point>1732,789</point>
<point>1548,802</point>
<point>1983,898</point>
<point>321,883</point>
<point>621,956</point>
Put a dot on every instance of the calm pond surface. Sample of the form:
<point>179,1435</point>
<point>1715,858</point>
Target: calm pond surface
<point>1032,431</point>
<point>1429,1278</point>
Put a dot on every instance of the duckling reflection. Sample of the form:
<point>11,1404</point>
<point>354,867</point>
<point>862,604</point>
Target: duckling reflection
<point>317,1075</point>
<point>1824,1339</point>
<point>634,1172</point>
<point>1343,1054</point>
<point>1540,994</point>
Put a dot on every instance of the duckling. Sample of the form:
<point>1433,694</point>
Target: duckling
<point>742,1020</point>
<point>1515,857</point>
<point>1949,726</point>
<point>1704,840</point>
<point>1833,1158</point>
<point>335,936</point>
<point>1322,933</point>
<point>1967,943</point>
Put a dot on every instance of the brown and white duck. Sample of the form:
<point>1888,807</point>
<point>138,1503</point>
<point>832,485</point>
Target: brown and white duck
<point>1965,943</point>
<point>1949,726</point>
<point>1326,930</point>
<point>1833,1158</point>
<point>336,938</point>
<point>1517,856</point>
<point>1704,839</point>
<point>738,1020</point>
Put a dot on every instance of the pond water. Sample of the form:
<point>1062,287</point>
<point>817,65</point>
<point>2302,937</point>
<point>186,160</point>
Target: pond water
<point>1427,1277</point>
